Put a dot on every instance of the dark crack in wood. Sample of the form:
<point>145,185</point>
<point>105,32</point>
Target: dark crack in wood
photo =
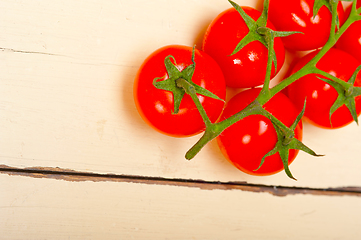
<point>77,176</point>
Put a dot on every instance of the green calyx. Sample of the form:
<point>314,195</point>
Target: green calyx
<point>287,141</point>
<point>347,93</point>
<point>258,30</point>
<point>171,84</point>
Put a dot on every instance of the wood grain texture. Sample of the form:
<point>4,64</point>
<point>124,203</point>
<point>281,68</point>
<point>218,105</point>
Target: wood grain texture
<point>66,95</point>
<point>33,208</point>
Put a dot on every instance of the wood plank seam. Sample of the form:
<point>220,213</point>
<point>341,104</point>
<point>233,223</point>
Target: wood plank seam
<point>77,176</point>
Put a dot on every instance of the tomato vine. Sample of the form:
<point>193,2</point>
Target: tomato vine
<point>180,83</point>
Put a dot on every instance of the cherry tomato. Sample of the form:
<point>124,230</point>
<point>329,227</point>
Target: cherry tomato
<point>156,106</point>
<point>246,68</point>
<point>297,15</point>
<point>319,95</point>
<point>350,41</point>
<point>246,142</point>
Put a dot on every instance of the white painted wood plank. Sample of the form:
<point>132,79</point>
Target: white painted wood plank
<point>55,209</point>
<point>66,73</point>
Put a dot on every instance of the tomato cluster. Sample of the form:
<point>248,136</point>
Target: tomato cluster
<point>180,91</point>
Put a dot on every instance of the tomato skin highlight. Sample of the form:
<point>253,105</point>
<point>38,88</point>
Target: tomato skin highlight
<point>350,41</point>
<point>319,95</point>
<point>156,106</point>
<point>246,68</point>
<point>246,142</point>
<point>297,15</point>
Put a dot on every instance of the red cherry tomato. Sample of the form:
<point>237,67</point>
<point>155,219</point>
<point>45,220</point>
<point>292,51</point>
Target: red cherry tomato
<point>297,15</point>
<point>350,41</point>
<point>246,68</point>
<point>319,95</point>
<point>156,106</point>
<point>246,142</point>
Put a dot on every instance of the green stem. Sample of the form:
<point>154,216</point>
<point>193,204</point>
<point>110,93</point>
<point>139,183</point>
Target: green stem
<point>292,78</point>
<point>189,89</point>
<point>206,137</point>
<point>265,92</point>
<point>334,21</point>
<point>214,129</point>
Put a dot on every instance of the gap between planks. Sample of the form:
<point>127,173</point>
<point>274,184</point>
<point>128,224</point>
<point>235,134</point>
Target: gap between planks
<point>77,176</point>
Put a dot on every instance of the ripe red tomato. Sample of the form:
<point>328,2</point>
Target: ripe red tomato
<point>156,106</point>
<point>297,15</point>
<point>319,95</point>
<point>350,41</point>
<point>246,68</point>
<point>246,142</point>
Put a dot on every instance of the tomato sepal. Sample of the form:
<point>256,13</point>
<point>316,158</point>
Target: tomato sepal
<point>171,85</point>
<point>287,141</point>
<point>258,30</point>
<point>347,93</point>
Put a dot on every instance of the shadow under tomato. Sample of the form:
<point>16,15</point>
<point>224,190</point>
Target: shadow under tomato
<point>198,41</point>
<point>127,77</point>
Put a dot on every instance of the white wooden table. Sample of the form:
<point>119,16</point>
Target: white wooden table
<point>77,161</point>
